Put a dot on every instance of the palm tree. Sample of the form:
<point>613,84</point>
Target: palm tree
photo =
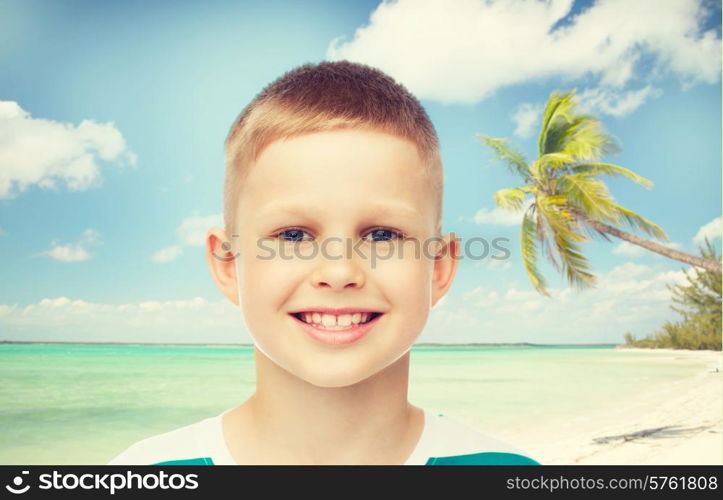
<point>561,196</point>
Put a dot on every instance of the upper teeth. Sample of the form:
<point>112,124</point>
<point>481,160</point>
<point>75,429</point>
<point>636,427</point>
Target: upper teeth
<point>331,320</point>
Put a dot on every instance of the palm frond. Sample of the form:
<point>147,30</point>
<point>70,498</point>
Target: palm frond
<point>617,215</point>
<point>566,237</point>
<point>565,129</point>
<point>558,106</point>
<point>589,195</point>
<point>575,265</point>
<point>638,221</point>
<point>585,139</point>
<point>560,219</point>
<point>539,173</point>
<point>544,238</point>
<point>513,198</point>
<point>611,170</point>
<point>557,160</point>
<point>529,251</point>
<point>509,155</point>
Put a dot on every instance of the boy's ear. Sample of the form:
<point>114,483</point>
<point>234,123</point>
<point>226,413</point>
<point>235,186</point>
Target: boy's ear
<point>221,258</point>
<point>445,266</point>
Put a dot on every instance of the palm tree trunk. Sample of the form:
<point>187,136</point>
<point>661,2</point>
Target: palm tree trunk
<point>707,264</point>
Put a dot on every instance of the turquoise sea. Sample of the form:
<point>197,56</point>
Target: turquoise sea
<point>85,403</point>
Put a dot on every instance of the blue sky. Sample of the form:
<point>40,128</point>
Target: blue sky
<point>113,115</point>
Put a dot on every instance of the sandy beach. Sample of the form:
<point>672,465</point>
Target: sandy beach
<point>675,423</point>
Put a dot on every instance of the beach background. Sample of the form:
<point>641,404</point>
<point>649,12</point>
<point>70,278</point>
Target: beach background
<point>112,122</point>
<point>560,404</point>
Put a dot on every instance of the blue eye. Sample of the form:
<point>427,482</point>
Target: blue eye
<point>385,234</point>
<point>379,234</point>
<point>292,234</point>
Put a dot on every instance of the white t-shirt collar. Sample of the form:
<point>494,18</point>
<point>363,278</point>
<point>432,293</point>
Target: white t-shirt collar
<point>213,441</point>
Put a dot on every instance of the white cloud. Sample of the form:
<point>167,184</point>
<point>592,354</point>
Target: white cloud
<point>167,254</point>
<point>712,231</point>
<point>36,151</point>
<point>627,249</point>
<point>525,117</point>
<point>90,237</point>
<point>61,318</point>
<point>464,50</point>
<point>73,252</point>
<point>192,230</point>
<point>630,297</point>
<point>614,102</point>
<point>68,253</point>
<point>498,265</point>
<point>500,216</point>
<point>2,232</point>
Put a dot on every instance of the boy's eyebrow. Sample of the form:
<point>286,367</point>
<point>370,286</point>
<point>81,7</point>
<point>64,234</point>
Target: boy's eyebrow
<point>374,209</point>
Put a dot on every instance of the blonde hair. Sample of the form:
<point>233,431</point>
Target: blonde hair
<point>322,97</point>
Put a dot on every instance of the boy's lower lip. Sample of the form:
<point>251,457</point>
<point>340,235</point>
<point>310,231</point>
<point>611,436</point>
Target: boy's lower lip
<point>337,337</point>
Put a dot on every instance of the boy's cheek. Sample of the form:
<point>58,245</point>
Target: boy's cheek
<point>408,285</point>
<point>404,272</point>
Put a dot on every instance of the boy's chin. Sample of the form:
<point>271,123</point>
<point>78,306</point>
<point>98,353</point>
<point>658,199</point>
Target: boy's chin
<point>333,378</point>
<point>345,374</point>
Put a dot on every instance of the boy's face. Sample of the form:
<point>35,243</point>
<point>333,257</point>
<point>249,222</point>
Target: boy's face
<point>318,218</point>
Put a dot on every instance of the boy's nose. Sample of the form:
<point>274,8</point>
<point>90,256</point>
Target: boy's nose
<point>337,270</point>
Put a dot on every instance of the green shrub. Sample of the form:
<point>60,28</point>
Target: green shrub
<point>699,304</point>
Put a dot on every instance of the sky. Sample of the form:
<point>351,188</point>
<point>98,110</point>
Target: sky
<point>113,116</point>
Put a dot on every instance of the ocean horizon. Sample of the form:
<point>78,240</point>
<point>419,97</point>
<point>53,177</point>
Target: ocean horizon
<point>421,344</point>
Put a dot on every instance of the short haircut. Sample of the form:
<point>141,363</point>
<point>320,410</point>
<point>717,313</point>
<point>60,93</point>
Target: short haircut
<point>323,97</point>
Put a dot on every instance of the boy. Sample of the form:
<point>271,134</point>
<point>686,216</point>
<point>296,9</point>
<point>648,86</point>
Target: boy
<point>333,251</point>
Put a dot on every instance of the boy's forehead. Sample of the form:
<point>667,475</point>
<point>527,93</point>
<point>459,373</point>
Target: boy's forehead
<point>370,207</point>
<point>381,171</point>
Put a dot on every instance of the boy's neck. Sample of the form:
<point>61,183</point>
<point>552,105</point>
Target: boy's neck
<point>291,421</point>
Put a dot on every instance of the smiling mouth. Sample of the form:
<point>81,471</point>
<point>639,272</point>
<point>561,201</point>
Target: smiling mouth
<point>333,322</point>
